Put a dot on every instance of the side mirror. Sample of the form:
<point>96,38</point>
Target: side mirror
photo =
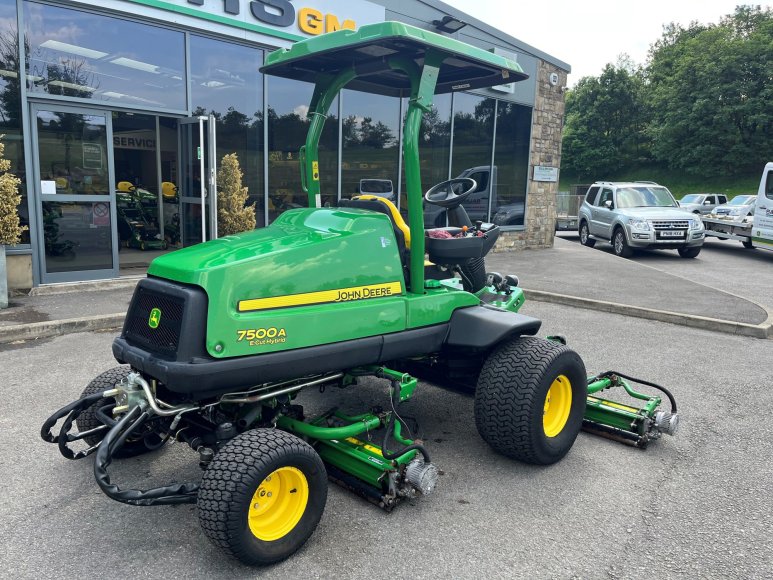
<point>608,204</point>
<point>707,202</point>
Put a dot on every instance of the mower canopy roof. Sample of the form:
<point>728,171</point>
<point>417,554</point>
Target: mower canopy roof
<point>369,49</point>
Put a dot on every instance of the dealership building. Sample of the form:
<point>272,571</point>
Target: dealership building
<point>116,116</point>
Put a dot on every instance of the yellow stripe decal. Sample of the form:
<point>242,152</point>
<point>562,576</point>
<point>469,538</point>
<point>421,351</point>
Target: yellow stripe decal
<point>322,297</point>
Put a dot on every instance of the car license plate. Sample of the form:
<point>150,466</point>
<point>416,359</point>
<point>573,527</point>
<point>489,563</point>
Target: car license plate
<point>672,234</point>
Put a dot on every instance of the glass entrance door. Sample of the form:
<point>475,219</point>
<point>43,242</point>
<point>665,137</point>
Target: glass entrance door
<point>74,193</point>
<point>198,179</point>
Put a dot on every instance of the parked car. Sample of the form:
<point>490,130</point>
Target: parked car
<point>702,202</point>
<point>740,208</point>
<point>756,232</point>
<point>638,215</point>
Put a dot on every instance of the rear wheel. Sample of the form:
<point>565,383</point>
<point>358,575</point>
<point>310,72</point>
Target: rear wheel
<point>87,420</point>
<point>689,252</point>
<point>620,244</point>
<point>530,399</point>
<point>262,496</point>
<point>585,238</point>
<point>748,244</point>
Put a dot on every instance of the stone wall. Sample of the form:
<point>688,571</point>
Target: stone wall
<point>545,149</point>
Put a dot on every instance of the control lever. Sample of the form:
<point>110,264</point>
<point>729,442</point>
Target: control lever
<point>499,283</point>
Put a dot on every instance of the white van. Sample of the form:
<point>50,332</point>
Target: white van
<point>758,233</point>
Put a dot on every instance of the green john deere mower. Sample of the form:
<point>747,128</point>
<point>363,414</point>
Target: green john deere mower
<point>221,337</point>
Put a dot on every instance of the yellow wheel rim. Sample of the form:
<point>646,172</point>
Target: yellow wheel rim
<point>558,404</point>
<point>278,504</point>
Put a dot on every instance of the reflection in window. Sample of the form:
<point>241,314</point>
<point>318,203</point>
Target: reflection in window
<point>73,153</point>
<point>511,160</point>
<point>10,104</point>
<point>288,123</point>
<point>225,82</point>
<point>90,56</point>
<point>76,237</point>
<point>473,135</point>
<point>370,134</point>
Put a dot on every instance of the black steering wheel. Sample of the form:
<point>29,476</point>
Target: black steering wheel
<point>446,193</point>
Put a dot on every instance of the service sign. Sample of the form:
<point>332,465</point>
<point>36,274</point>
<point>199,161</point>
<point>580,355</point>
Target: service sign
<point>298,17</point>
<point>545,173</point>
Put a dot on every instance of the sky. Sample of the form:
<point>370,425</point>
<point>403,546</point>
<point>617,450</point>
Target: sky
<point>588,35</point>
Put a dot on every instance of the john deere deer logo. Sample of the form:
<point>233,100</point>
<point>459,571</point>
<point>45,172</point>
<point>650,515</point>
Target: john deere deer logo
<point>155,318</point>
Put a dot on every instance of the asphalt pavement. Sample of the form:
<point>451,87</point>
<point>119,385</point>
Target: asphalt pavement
<point>695,505</point>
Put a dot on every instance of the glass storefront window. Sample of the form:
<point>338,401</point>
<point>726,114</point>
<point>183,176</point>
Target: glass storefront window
<point>471,155</point>
<point>73,153</point>
<point>225,82</point>
<point>90,56</point>
<point>370,134</point>
<point>288,105</point>
<point>10,104</point>
<point>74,239</point>
<point>511,161</point>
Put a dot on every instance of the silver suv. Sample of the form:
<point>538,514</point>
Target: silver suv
<point>702,202</point>
<point>640,214</point>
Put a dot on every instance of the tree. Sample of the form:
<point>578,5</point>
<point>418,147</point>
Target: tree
<point>711,89</point>
<point>606,122</point>
<point>10,228</point>
<point>232,214</point>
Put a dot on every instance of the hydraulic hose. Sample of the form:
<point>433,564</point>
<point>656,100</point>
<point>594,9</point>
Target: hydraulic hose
<point>74,408</point>
<point>115,438</point>
<point>395,395</point>
<point>663,390</point>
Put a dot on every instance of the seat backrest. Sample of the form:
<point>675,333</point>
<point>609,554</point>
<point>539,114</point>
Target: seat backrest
<point>394,213</point>
<point>381,205</point>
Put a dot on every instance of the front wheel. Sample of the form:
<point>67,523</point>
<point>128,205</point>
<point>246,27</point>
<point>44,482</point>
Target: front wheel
<point>262,496</point>
<point>689,252</point>
<point>530,399</point>
<point>748,244</point>
<point>585,238</point>
<point>620,244</point>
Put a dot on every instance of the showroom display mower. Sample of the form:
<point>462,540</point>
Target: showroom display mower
<point>221,337</point>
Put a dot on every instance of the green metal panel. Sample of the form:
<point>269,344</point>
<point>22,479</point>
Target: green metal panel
<point>436,306</point>
<point>369,49</point>
<point>317,252</point>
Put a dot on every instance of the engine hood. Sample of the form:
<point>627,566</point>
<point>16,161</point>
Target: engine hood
<point>656,213</point>
<point>303,250</point>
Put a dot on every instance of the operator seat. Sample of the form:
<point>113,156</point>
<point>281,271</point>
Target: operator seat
<point>383,205</point>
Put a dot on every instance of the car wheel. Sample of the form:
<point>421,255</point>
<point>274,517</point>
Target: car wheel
<point>620,244</point>
<point>689,252</point>
<point>748,245</point>
<point>585,238</point>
